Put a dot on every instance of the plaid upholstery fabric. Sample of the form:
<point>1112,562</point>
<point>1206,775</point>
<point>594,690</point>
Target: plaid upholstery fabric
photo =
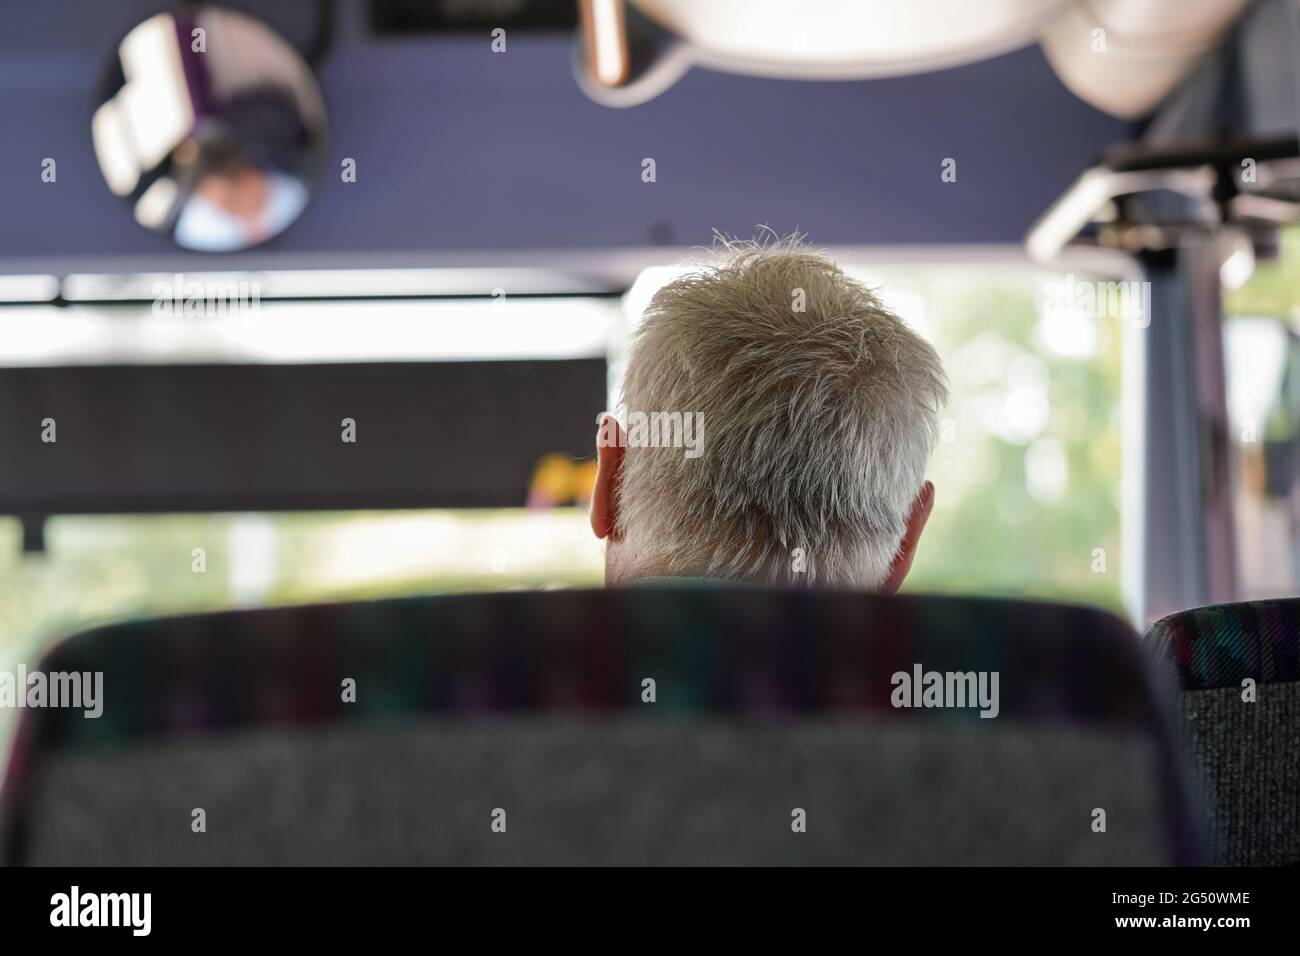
<point>1218,646</point>
<point>1244,753</point>
<point>741,652</point>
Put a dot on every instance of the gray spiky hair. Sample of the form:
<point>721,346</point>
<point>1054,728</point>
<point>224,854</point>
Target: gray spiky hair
<point>819,423</point>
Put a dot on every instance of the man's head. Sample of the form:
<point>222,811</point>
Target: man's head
<point>820,409</point>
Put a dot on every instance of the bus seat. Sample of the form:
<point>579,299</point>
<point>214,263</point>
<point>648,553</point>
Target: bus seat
<point>1245,745</point>
<point>656,725</point>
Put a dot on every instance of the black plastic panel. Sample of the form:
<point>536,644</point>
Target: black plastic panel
<point>167,438</point>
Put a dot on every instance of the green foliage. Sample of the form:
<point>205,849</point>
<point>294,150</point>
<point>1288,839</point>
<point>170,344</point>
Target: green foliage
<point>1274,289</point>
<point>989,534</point>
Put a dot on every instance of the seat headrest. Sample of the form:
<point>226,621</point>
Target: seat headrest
<point>724,649</point>
<point>1219,645</point>
<point>447,688</point>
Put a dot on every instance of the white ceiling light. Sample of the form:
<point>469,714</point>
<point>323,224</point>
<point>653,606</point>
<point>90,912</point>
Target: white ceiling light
<point>446,330</point>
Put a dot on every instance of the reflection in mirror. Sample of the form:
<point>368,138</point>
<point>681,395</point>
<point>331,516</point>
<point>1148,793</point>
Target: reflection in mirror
<point>211,128</point>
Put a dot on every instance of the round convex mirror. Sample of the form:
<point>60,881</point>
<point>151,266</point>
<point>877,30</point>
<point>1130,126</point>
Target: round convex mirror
<point>211,128</point>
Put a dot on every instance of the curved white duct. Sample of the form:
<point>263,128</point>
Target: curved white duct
<point>1125,56</point>
<point>1122,56</point>
<point>843,39</point>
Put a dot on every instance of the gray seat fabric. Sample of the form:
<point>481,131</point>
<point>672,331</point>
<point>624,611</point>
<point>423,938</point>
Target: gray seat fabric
<point>1247,757</point>
<point>767,702</point>
<point>1244,747</point>
<point>622,792</point>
